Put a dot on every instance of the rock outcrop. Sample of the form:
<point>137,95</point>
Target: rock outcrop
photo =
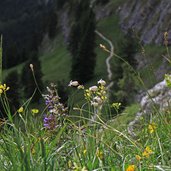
<point>148,17</point>
<point>156,99</point>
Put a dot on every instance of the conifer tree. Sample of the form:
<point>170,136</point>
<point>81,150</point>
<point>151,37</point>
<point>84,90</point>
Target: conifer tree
<point>125,84</point>
<point>128,48</point>
<point>82,43</point>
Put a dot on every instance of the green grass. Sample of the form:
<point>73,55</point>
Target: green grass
<point>56,65</point>
<point>25,144</point>
<point>121,121</point>
<point>154,54</point>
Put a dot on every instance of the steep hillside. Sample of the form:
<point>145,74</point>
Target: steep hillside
<point>149,18</point>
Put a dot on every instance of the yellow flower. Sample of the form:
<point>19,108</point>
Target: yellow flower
<point>138,157</point>
<point>70,164</point>
<point>99,154</point>
<point>85,151</point>
<point>152,127</point>
<point>20,110</point>
<point>147,152</point>
<point>116,105</point>
<point>35,111</point>
<point>80,87</point>
<point>33,151</point>
<point>3,88</point>
<point>131,168</point>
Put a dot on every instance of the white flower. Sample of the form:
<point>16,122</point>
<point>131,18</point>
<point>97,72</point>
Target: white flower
<point>93,88</point>
<point>102,82</point>
<point>98,100</point>
<point>95,104</point>
<point>73,83</point>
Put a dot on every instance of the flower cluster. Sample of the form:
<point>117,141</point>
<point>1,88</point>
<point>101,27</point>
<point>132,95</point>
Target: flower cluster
<point>131,168</point>
<point>96,95</point>
<point>147,152</point>
<point>75,84</point>
<point>3,88</point>
<point>152,127</point>
<point>50,122</point>
<point>56,110</point>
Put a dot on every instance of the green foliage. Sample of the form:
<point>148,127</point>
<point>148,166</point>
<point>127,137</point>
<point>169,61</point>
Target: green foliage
<point>128,47</point>
<point>27,145</point>
<point>168,80</point>
<point>126,83</point>
<point>82,43</point>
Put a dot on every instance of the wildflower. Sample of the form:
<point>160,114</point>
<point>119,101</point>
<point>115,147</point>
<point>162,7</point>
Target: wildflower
<point>165,38</point>
<point>152,127</point>
<point>116,105</point>
<point>80,87</point>
<point>102,82</point>
<point>87,94</point>
<point>131,168</point>
<point>147,152</point>
<point>33,151</point>
<point>138,157</point>
<point>20,110</point>
<point>95,104</point>
<point>3,88</point>
<point>98,100</point>
<point>69,164</point>
<point>31,67</point>
<point>35,111</point>
<point>93,88</point>
<point>56,110</point>
<point>49,122</point>
<point>104,48</point>
<point>85,151</point>
<point>73,83</point>
<point>99,154</point>
<point>165,34</point>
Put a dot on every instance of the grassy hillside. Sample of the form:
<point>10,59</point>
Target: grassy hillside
<point>56,63</point>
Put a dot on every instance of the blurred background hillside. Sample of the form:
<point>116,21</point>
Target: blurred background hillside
<point>58,37</point>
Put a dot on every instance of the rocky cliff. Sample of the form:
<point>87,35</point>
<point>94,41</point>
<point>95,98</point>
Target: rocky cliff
<point>150,18</point>
<point>156,99</point>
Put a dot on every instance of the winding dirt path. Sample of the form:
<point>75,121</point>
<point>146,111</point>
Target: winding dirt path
<point>111,54</point>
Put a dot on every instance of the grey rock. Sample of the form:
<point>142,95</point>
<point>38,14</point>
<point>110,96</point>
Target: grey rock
<point>156,99</point>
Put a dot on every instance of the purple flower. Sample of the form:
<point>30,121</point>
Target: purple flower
<point>49,122</point>
<point>55,110</point>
